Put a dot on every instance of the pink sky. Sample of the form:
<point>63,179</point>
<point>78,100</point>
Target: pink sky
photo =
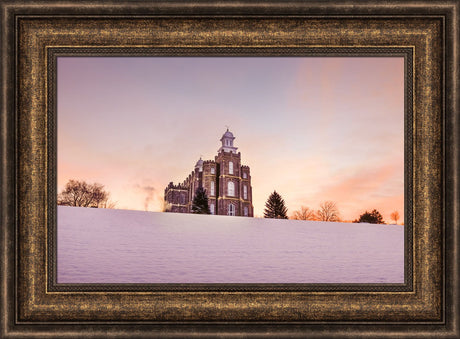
<point>313,129</point>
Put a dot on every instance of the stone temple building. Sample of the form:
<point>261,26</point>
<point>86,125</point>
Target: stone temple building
<point>226,181</point>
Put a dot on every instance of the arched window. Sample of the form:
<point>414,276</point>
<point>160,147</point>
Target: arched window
<point>212,209</point>
<point>231,189</point>
<point>246,212</point>
<point>231,209</point>
<point>212,188</point>
<point>230,167</point>
<point>245,192</point>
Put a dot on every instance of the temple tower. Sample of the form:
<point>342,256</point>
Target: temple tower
<point>226,181</point>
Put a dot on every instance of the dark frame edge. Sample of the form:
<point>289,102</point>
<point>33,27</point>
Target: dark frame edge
<point>10,328</point>
<point>7,171</point>
<point>451,171</point>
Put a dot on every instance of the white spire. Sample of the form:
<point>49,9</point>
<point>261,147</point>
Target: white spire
<point>227,142</point>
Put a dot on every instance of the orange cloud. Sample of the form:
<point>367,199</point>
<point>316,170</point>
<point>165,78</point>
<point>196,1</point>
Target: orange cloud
<point>357,192</point>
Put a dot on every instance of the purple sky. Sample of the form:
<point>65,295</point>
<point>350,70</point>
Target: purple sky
<point>313,129</point>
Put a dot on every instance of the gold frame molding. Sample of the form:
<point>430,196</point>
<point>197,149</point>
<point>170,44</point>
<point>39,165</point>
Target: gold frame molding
<point>31,31</point>
<point>52,53</point>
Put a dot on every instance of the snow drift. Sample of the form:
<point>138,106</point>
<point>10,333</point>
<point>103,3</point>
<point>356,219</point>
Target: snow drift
<point>122,246</point>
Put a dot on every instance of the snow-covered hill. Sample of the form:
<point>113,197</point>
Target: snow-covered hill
<point>122,246</point>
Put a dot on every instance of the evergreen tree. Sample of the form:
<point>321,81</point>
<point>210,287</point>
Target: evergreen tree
<point>373,217</point>
<point>275,207</point>
<point>200,202</point>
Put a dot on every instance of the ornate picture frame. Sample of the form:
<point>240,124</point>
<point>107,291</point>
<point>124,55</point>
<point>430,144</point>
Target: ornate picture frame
<point>35,33</point>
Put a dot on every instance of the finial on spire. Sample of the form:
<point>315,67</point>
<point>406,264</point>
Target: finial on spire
<point>227,127</point>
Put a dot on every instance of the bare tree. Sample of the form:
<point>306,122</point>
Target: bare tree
<point>80,193</point>
<point>328,211</point>
<point>110,204</point>
<point>304,213</point>
<point>395,216</point>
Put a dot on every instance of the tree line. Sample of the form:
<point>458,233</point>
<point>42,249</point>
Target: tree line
<point>80,193</point>
<point>275,207</point>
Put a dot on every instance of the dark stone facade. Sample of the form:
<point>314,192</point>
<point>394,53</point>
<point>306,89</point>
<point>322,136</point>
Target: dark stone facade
<point>226,181</point>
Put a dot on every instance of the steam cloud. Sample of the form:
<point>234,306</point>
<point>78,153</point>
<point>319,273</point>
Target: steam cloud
<point>150,196</point>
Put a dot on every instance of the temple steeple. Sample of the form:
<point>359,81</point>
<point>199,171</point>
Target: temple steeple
<point>227,143</point>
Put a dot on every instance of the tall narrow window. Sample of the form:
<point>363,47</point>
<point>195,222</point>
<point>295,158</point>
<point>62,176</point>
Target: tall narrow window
<point>246,211</point>
<point>212,209</point>
<point>213,170</point>
<point>212,188</point>
<point>245,192</point>
<point>231,189</point>
<point>231,209</point>
<point>230,167</point>
<point>245,175</point>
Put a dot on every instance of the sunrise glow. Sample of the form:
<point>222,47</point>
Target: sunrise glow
<point>313,129</point>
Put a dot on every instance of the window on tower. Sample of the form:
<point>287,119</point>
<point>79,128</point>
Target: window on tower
<point>246,211</point>
<point>245,192</point>
<point>230,167</point>
<point>245,175</point>
<point>231,209</point>
<point>212,209</point>
<point>212,188</point>
<point>213,170</point>
<point>231,189</point>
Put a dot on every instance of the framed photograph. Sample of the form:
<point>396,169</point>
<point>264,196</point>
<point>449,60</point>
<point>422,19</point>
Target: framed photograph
<point>230,170</point>
<point>115,232</point>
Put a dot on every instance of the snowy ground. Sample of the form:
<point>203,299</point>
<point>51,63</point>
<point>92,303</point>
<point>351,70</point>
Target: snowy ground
<point>121,246</point>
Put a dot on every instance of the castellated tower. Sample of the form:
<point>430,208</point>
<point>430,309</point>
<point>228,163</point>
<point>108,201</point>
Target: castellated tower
<point>226,181</point>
